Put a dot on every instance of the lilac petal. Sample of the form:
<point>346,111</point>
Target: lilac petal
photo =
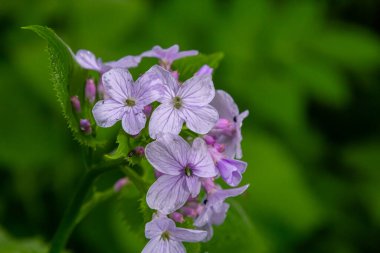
<point>239,138</point>
<point>157,226</point>
<point>185,54</point>
<point>220,195</point>
<point>231,170</point>
<point>125,62</point>
<point>87,60</point>
<point>108,112</point>
<point>133,122</point>
<point>158,245</point>
<point>204,70</point>
<point>165,119</point>
<point>197,91</point>
<point>188,235</point>
<point>210,232</point>
<point>118,84</point>
<point>168,194</point>
<point>194,185</point>
<point>148,88</point>
<point>219,213</point>
<point>168,80</point>
<point>200,119</point>
<point>201,159</point>
<point>168,154</point>
<point>225,105</point>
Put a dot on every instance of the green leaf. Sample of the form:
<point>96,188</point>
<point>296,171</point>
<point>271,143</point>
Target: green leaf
<point>68,80</point>
<point>188,66</point>
<point>123,147</point>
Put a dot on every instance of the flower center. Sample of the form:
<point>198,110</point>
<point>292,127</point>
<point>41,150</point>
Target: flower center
<point>177,102</point>
<point>130,102</point>
<point>165,236</point>
<point>189,170</point>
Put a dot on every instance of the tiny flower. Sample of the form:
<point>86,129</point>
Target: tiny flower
<point>88,60</point>
<point>188,102</point>
<point>229,112</point>
<point>177,217</point>
<point>165,237</point>
<point>85,126</point>
<point>120,184</point>
<point>75,103</point>
<point>90,90</point>
<point>182,166</point>
<point>215,210</point>
<point>126,99</point>
<point>167,56</point>
<point>204,70</point>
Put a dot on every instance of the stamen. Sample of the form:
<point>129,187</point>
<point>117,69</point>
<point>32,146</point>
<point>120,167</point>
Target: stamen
<point>165,236</point>
<point>130,102</point>
<point>177,102</point>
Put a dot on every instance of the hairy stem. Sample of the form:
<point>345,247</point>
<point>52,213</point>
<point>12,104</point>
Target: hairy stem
<point>69,220</point>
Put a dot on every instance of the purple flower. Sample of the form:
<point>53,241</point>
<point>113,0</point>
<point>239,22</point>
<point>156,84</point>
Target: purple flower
<point>204,70</point>
<point>215,210</point>
<point>88,60</point>
<point>165,237</point>
<point>182,167</point>
<point>126,99</point>
<point>228,110</point>
<point>187,102</point>
<point>167,56</point>
<point>85,126</point>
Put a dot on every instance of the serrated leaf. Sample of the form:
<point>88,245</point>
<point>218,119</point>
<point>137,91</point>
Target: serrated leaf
<point>123,147</point>
<point>67,78</point>
<point>188,66</point>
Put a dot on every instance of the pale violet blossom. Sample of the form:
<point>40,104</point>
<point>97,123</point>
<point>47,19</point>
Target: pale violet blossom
<point>228,129</point>
<point>126,99</point>
<point>182,166</point>
<point>187,102</point>
<point>165,237</point>
<point>169,55</point>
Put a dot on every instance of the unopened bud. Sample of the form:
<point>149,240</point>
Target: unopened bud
<point>177,217</point>
<point>140,151</point>
<point>210,140</point>
<point>85,126</point>
<point>120,184</point>
<point>75,103</point>
<point>204,70</point>
<point>147,110</point>
<point>90,90</point>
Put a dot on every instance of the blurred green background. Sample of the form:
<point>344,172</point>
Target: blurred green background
<point>308,71</point>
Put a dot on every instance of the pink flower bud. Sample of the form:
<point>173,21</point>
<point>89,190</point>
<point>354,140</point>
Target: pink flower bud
<point>85,126</point>
<point>219,147</point>
<point>75,103</point>
<point>140,151</point>
<point>147,110</point>
<point>177,217</point>
<point>90,90</point>
<point>120,184</point>
<point>210,140</point>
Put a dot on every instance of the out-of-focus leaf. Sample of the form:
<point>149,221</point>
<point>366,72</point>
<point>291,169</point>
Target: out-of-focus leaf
<point>67,78</point>
<point>188,66</point>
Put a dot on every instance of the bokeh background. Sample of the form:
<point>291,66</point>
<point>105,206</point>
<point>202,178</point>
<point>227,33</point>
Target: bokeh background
<point>308,71</point>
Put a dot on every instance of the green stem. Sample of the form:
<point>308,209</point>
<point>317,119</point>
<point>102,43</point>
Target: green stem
<point>68,222</point>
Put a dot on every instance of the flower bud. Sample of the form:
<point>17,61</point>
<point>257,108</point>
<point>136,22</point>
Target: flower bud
<point>209,185</point>
<point>210,140</point>
<point>85,126</point>
<point>90,90</point>
<point>75,103</point>
<point>120,184</point>
<point>177,217</point>
<point>147,110</point>
<point>139,151</point>
<point>204,70</point>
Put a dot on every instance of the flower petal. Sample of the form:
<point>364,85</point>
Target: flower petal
<point>108,112</point>
<point>197,91</point>
<point>118,84</point>
<point>168,154</point>
<point>87,60</point>
<point>168,194</point>
<point>158,245</point>
<point>188,235</point>
<point>200,119</point>
<point>168,80</point>
<point>157,226</point>
<point>225,105</point>
<point>239,138</point>
<point>125,62</point>
<point>220,195</point>
<point>133,122</point>
<point>165,119</point>
<point>194,185</point>
<point>149,87</point>
<point>201,159</point>
<point>231,170</point>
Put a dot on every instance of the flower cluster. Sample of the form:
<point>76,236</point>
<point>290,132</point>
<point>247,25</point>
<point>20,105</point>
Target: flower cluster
<point>187,160</point>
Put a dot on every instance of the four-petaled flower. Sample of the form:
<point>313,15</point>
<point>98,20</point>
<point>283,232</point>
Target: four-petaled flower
<point>165,237</point>
<point>187,102</point>
<point>127,99</point>
<point>228,129</point>
<point>182,166</point>
<point>88,60</point>
<point>167,56</point>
